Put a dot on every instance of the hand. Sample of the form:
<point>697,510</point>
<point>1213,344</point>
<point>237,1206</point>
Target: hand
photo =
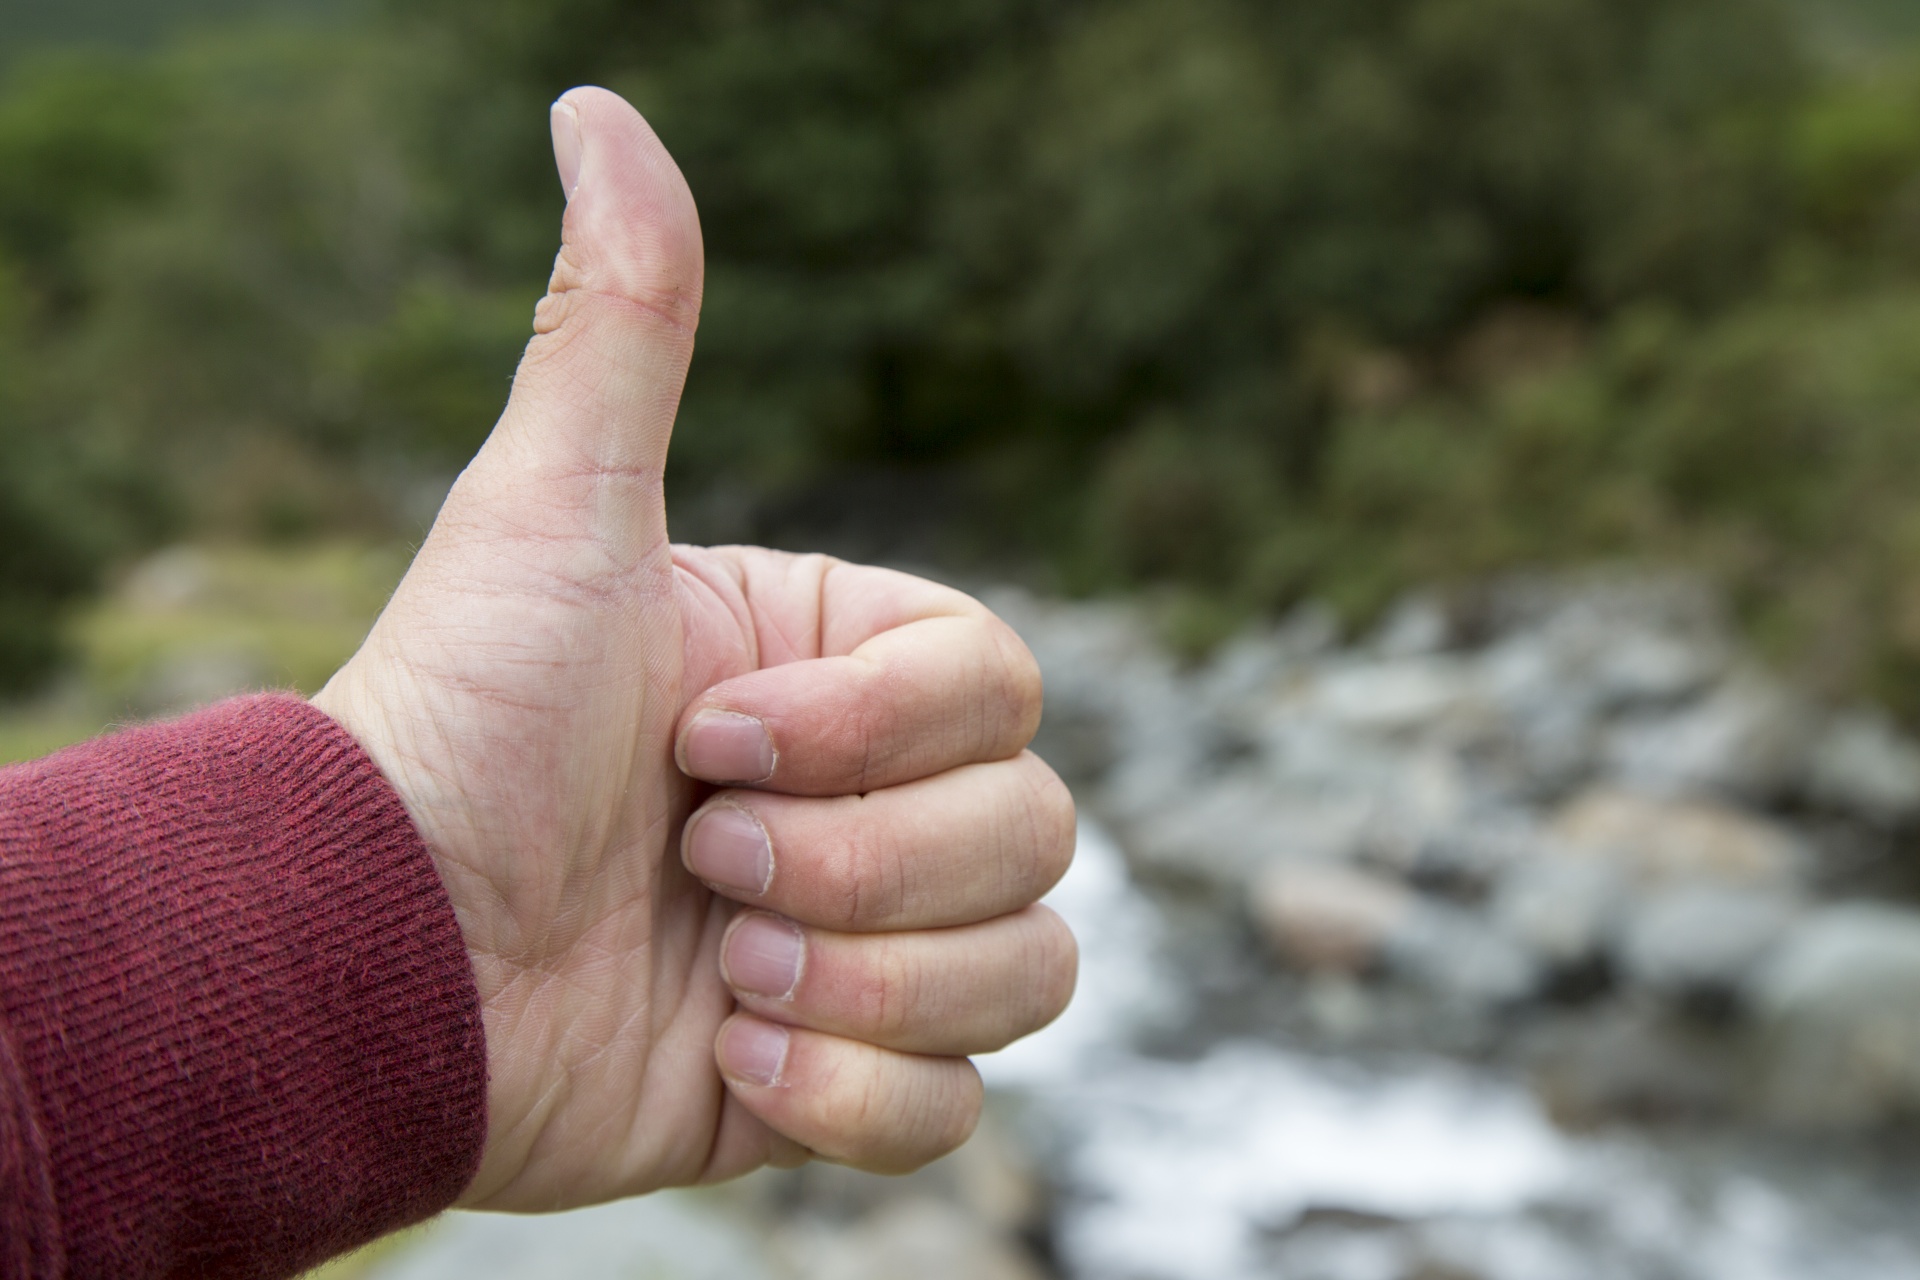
<point>551,677</point>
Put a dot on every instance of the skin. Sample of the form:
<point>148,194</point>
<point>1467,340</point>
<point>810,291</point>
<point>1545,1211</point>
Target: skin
<point>536,691</point>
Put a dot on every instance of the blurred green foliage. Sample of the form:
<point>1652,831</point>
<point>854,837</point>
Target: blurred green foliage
<point>1253,302</point>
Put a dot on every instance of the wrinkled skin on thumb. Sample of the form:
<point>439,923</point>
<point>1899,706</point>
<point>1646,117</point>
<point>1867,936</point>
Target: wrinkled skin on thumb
<point>597,390</point>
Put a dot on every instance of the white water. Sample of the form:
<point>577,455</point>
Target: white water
<point>1204,1169</point>
<point>1123,984</point>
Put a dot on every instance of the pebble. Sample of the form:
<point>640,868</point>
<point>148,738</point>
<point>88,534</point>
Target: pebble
<point>1656,841</point>
<point>1841,1010</point>
<point>1862,765</point>
<point>1696,940</point>
<point>1329,919</point>
<point>1560,908</point>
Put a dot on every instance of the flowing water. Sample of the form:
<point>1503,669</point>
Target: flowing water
<point>1246,1158</point>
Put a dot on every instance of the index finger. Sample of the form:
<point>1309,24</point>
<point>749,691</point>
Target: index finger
<point>912,697</point>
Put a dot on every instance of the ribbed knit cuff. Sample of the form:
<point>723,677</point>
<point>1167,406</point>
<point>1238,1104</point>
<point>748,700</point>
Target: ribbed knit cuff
<point>243,1027</point>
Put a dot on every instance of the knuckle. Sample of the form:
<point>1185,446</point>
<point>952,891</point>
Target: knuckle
<point>872,872</point>
<point>1056,822</point>
<point>866,734</point>
<point>1055,958</point>
<point>939,1108</point>
<point>845,883</point>
<point>1024,690</point>
<point>891,877</point>
<point>905,1114</point>
<point>895,994</point>
<point>1002,691</point>
<point>1035,845</point>
<point>873,1105</point>
<point>1034,975</point>
<point>963,1105</point>
<point>858,1115</point>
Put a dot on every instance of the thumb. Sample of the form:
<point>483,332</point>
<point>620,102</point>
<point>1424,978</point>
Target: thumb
<point>584,436</point>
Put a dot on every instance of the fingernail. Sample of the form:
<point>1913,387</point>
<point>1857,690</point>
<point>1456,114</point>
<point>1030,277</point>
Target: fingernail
<point>725,746</point>
<point>567,145</point>
<point>763,956</point>
<point>753,1050</point>
<point>728,848</point>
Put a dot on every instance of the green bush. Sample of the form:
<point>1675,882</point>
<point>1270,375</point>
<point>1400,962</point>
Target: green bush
<point>50,549</point>
<point>1248,301</point>
<point>1776,449</point>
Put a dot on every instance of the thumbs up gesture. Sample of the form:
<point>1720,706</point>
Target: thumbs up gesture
<point>744,846</point>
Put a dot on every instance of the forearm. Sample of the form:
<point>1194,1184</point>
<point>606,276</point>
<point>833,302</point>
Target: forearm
<point>241,1033</point>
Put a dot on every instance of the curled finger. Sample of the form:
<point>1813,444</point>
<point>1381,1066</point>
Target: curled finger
<point>966,845</point>
<point>847,1101</point>
<point>972,989</point>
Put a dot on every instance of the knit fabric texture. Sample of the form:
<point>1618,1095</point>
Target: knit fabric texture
<point>239,1031</point>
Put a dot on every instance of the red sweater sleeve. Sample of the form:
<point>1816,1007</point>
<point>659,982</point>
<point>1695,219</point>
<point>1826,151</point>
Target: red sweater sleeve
<point>238,1028</point>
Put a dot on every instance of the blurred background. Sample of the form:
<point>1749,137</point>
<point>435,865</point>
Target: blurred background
<point>1458,461</point>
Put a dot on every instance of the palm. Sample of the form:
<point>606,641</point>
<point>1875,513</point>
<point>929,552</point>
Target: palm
<point>589,937</point>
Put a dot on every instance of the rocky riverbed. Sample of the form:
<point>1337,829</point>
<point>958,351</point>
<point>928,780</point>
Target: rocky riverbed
<point>1536,936</point>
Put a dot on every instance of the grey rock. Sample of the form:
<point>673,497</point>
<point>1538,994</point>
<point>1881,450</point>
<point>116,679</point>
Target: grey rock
<point>1549,719</point>
<point>1393,697</point>
<point>1431,791</point>
<point>1702,940</point>
<point>1636,1062</point>
<point>1312,630</point>
<point>1603,604</point>
<point>1605,646</point>
<point>1079,741</point>
<point>1657,841</point>
<point>1524,674</point>
<point>1468,857</point>
<point>1415,627</point>
<point>1329,919</point>
<point>1561,909</point>
<point>1640,668</point>
<point>1338,1006</point>
<point>1556,749</point>
<point>1155,776</point>
<point>1309,754</point>
<point>1421,823</point>
<point>1841,1006</point>
<point>1247,669</point>
<point>1234,829</point>
<point>1862,765</point>
<point>1099,660</point>
<point>1748,740</point>
<point>1459,957</point>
